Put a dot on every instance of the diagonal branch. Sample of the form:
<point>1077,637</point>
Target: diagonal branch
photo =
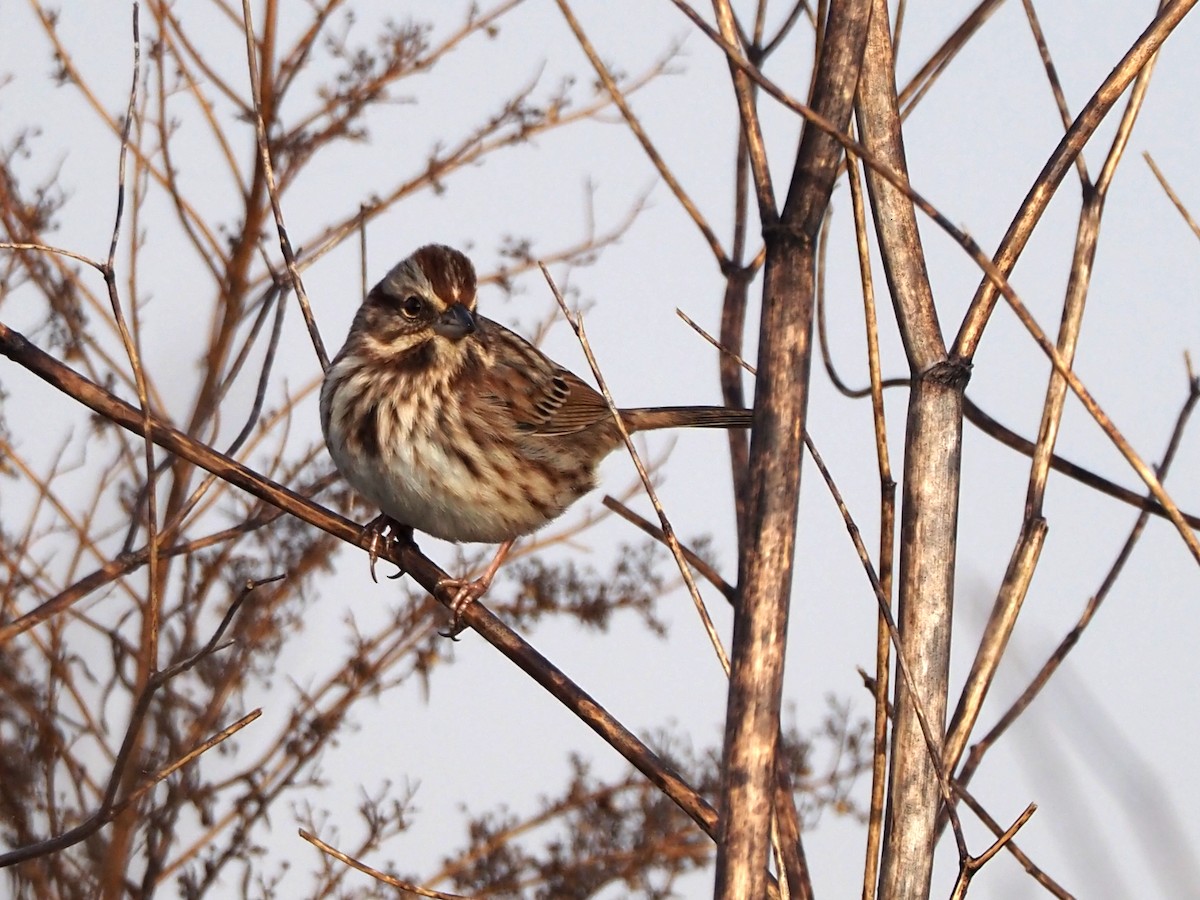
<point>408,557</point>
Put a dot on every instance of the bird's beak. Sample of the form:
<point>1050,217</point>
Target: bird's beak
<point>455,323</point>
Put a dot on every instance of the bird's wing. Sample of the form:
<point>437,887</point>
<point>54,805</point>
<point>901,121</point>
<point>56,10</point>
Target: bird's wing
<point>540,396</point>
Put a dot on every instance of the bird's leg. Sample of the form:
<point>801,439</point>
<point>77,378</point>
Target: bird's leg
<point>467,592</point>
<point>378,529</point>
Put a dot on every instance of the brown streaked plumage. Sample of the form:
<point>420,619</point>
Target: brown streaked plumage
<point>456,426</point>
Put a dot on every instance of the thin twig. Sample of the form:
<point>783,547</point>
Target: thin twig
<point>1171,195</point>
<point>1010,845</point>
<point>969,867</point>
<point>264,149</point>
<point>149,650</point>
<point>635,126</point>
<point>576,323</point>
<point>382,877</point>
<point>887,528</point>
<point>713,576</point>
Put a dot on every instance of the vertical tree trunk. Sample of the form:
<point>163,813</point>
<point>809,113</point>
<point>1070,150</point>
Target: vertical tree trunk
<point>780,405</point>
<point>929,514</point>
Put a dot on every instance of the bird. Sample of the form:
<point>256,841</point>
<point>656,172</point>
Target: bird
<point>459,428</point>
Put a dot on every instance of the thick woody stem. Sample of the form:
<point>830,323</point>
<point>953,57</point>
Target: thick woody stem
<point>781,400</point>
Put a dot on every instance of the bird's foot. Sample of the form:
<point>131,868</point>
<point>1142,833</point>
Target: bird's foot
<point>462,593</point>
<point>467,592</point>
<point>385,530</point>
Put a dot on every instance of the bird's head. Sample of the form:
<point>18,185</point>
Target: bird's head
<point>427,301</point>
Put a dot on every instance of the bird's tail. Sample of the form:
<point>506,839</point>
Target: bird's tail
<point>686,417</point>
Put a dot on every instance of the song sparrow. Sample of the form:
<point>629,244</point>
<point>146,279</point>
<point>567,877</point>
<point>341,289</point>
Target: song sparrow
<point>455,426</point>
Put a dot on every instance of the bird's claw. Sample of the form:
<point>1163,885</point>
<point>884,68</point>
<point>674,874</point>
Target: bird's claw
<point>465,593</point>
<point>468,592</point>
<point>379,528</point>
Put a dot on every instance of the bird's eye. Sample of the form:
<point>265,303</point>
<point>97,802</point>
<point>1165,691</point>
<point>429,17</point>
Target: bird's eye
<point>412,306</point>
